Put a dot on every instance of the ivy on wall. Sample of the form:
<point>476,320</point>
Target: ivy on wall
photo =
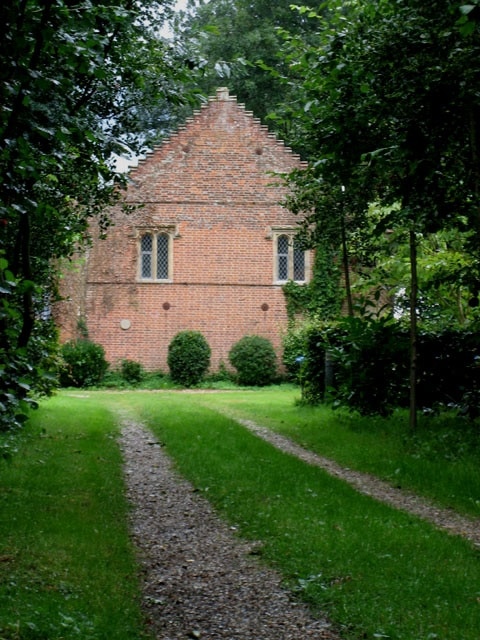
<point>323,295</point>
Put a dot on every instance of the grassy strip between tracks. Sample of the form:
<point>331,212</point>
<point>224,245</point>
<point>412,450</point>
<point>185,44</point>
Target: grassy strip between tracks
<point>441,460</point>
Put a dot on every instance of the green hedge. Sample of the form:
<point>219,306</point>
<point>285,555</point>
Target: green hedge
<point>370,366</point>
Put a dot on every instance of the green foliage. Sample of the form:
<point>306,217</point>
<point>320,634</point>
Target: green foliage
<point>298,298</point>
<point>131,371</point>
<point>14,366</point>
<point>82,328</point>
<point>415,150</point>
<point>84,363</point>
<point>313,370</point>
<point>322,295</point>
<point>150,380</point>
<point>370,364</point>
<point>27,371</point>
<point>294,348</point>
<point>188,358</point>
<point>221,375</point>
<point>15,402</point>
<point>254,359</point>
<point>370,358</point>
<point>446,270</point>
<point>77,83</point>
<point>383,98</point>
<point>449,370</point>
<point>327,294</point>
<point>238,43</point>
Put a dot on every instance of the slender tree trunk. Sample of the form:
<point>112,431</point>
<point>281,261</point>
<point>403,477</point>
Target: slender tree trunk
<point>328,373</point>
<point>346,267</point>
<point>473,115</point>
<point>413,330</point>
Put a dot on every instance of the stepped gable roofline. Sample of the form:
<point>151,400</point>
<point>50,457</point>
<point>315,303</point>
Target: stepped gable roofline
<point>222,95</point>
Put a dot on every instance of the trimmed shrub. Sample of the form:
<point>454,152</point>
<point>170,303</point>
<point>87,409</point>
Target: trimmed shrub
<point>254,359</point>
<point>131,371</point>
<point>83,364</point>
<point>188,358</point>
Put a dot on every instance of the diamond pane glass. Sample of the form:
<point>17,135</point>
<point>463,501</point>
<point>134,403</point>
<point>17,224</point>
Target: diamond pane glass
<point>162,257</point>
<point>298,262</point>
<point>282,257</point>
<point>147,242</point>
<point>146,256</point>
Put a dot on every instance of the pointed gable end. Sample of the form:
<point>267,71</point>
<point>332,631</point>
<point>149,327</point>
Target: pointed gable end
<point>207,247</point>
<point>221,154</point>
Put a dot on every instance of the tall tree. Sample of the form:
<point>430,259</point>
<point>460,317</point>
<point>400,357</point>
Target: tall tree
<point>76,81</point>
<point>389,105</point>
<point>232,36</point>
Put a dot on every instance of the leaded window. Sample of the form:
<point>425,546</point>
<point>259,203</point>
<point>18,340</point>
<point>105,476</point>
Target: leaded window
<point>146,246</point>
<point>282,257</point>
<point>155,256</point>
<point>162,256</point>
<point>290,257</point>
<point>298,261</point>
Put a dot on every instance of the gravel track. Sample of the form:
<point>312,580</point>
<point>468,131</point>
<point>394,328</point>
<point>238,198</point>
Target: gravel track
<point>199,579</point>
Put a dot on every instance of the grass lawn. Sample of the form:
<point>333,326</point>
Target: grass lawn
<point>67,568</point>
<point>440,461</point>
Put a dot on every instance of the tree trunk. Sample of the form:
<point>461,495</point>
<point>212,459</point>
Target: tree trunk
<point>413,330</point>
<point>346,267</point>
<point>328,373</point>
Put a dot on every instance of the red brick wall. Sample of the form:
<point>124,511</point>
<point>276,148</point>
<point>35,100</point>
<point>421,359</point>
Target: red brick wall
<point>211,182</point>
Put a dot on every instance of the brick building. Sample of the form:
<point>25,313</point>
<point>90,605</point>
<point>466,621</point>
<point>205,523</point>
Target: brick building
<point>209,249</point>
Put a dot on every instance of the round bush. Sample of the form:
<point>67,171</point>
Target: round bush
<point>254,359</point>
<point>188,358</point>
<point>84,364</point>
<point>131,371</point>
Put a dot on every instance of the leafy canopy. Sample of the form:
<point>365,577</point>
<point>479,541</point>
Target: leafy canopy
<point>77,82</point>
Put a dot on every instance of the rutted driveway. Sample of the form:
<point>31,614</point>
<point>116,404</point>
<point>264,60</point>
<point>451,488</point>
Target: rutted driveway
<point>199,579</point>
